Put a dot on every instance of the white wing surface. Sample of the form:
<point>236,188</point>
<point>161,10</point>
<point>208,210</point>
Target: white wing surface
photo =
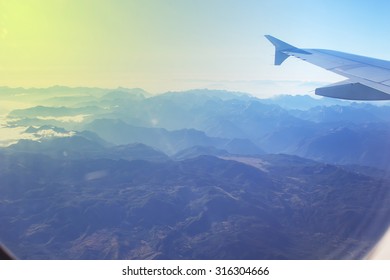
<point>368,78</point>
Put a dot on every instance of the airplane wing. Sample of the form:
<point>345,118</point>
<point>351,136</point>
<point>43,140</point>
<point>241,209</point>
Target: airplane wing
<point>368,78</point>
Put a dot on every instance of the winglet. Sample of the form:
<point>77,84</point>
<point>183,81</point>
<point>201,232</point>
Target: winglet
<point>281,48</point>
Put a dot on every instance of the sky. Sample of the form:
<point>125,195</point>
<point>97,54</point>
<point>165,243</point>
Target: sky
<point>169,45</point>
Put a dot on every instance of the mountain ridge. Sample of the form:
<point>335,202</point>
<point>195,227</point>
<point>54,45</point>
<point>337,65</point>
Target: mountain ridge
<point>180,208</point>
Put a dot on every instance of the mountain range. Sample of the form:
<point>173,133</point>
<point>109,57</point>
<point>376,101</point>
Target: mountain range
<point>122,174</point>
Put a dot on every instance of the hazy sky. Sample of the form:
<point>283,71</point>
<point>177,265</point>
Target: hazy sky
<point>162,45</point>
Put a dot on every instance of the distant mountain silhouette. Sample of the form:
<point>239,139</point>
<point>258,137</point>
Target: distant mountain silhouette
<point>175,121</point>
<point>355,113</point>
<point>363,145</point>
<point>86,145</point>
<point>119,132</point>
<point>54,111</point>
<point>303,102</point>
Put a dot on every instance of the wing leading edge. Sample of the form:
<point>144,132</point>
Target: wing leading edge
<point>368,78</point>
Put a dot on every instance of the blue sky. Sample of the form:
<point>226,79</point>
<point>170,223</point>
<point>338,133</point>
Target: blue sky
<point>162,45</point>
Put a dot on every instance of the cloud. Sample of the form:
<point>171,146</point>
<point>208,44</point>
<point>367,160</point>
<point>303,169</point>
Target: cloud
<point>12,134</point>
<point>48,133</point>
<point>66,119</point>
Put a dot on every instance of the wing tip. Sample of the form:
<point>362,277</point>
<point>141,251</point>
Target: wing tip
<point>280,47</point>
